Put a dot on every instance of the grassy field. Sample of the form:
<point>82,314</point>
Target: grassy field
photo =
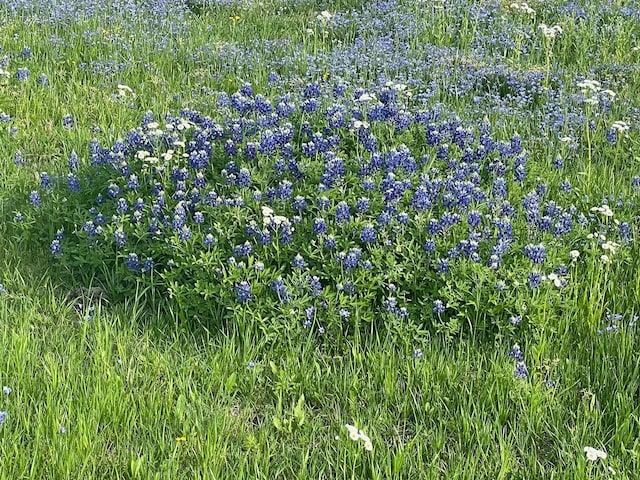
<point>232,230</point>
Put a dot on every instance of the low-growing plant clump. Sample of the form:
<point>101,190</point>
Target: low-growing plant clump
<point>313,205</point>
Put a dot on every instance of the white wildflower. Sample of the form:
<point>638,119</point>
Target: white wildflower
<point>124,90</point>
<point>604,210</point>
<point>593,454</point>
<point>356,435</point>
<point>324,16</point>
<point>353,432</point>
<point>367,97</point>
<point>621,127</point>
<point>550,33</point>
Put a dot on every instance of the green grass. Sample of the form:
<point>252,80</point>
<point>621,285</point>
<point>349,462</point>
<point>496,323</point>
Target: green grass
<point>147,395</point>
<point>126,385</point>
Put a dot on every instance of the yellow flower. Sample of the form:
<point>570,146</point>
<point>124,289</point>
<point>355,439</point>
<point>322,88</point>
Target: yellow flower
<point>181,439</point>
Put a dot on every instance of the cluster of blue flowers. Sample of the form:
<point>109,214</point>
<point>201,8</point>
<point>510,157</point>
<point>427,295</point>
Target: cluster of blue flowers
<point>317,206</point>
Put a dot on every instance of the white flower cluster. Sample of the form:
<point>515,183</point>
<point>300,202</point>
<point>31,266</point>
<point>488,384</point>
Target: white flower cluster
<point>592,90</point>
<point>125,91</point>
<point>550,33</point>
<point>610,248</point>
<point>621,127</point>
<point>593,454</point>
<point>268,218</point>
<point>355,435</point>
<point>522,7</point>
<point>604,210</point>
<point>324,16</point>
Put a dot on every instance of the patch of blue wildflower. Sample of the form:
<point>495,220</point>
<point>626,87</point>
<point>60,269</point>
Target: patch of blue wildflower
<point>273,213</point>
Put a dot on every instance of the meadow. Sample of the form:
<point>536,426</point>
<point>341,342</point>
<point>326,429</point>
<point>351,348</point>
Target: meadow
<point>302,239</point>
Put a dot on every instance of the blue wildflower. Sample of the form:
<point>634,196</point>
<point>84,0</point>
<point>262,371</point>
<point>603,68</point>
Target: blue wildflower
<point>520,372</point>
<point>34,198</point>
<point>55,247</point>
<point>438,307</point>
<point>243,292</point>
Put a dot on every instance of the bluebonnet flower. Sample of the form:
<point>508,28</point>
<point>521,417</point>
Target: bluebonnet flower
<point>474,218</point>
<point>384,218</point>
<point>520,371</point>
<point>243,292</point>
<point>147,265</point>
<point>43,80</point>
<point>34,198</point>
<point>368,234</point>
<point>499,187</point>
<point>417,353</point>
<point>2,289</point>
<point>342,212</point>
<point>536,253</point>
<point>624,231</point>
<point>22,74</point>
<point>298,262</point>
<point>310,313</point>
<point>534,280</point>
<point>243,250</point>
<point>45,180</point>
<point>348,287</point>
<point>403,218</point>
<point>319,226</point>
<point>67,121</point>
<point>55,247</point>
<point>299,203</point>
<point>73,162</point>
<point>122,206</point>
<point>280,288</point>
<point>368,185</point>
<point>344,313</point>
<point>91,228</point>
<point>132,261</point>
<point>113,190</point>
<point>133,182</point>
<point>6,390</point>
<point>362,205</point>
<point>442,265</point>
<point>18,158</point>
<point>390,304</point>
<point>516,353</point>
<point>323,203</point>
<point>565,186</point>
<point>438,307</point>
<point>120,238</point>
<point>515,319</point>
<point>184,233</point>
<point>315,287</point>
<point>3,417</point>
